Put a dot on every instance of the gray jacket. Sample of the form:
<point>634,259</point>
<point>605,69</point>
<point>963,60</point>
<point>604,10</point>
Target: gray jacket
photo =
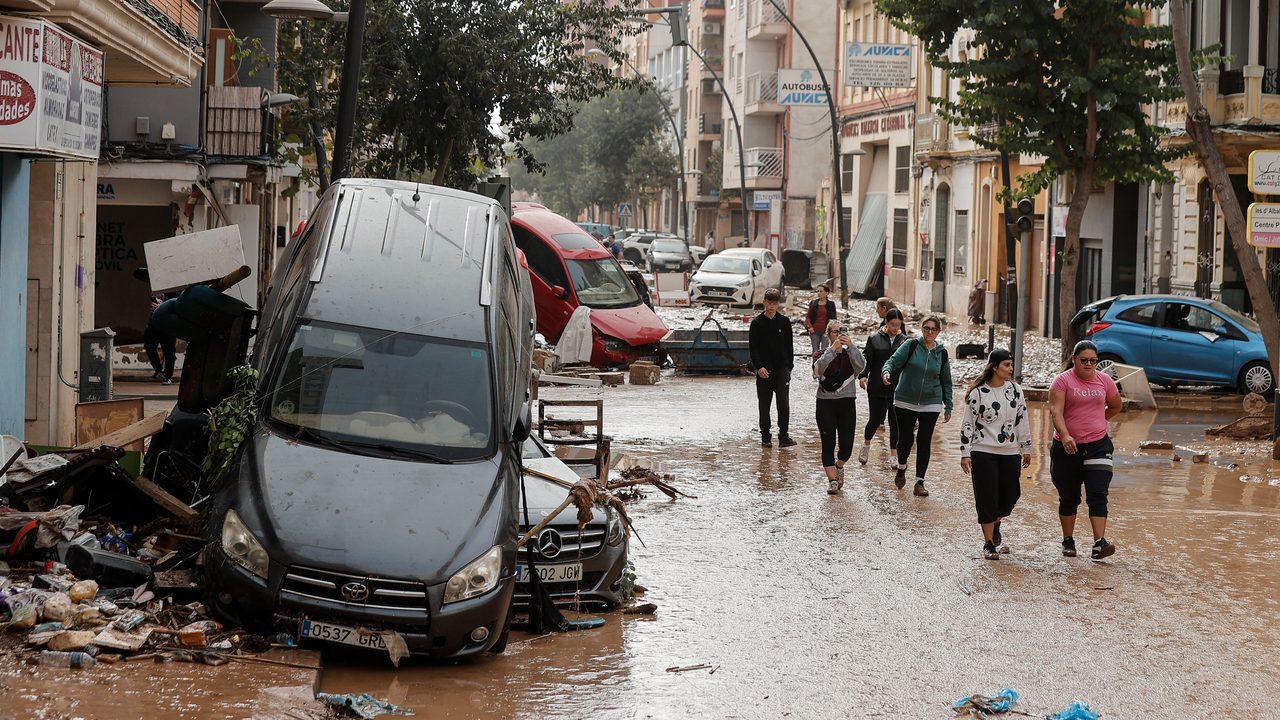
<point>850,387</point>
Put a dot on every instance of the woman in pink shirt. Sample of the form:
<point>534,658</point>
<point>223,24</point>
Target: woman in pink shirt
<point>1081,401</point>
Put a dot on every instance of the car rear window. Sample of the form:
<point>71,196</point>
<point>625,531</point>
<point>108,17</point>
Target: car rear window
<point>575,241</point>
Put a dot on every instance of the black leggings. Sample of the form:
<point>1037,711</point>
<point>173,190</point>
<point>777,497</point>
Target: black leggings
<point>995,484</point>
<point>836,417</point>
<point>1090,466</point>
<point>879,410</point>
<point>907,420</point>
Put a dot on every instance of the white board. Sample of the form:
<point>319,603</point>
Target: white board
<point>184,260</point>
<point>672,289</point>
<point>1134,385</point>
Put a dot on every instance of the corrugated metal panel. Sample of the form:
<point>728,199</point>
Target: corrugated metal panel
<point>866,254</point>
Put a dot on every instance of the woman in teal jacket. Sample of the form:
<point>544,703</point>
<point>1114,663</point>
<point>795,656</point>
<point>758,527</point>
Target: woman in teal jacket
<point>922,393</point>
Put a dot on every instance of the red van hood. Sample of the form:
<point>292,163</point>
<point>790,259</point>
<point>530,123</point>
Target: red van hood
<point>636,325</point>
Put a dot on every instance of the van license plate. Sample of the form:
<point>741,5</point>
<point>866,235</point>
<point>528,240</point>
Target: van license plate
<point>341,635</point>
<point>570,572</point>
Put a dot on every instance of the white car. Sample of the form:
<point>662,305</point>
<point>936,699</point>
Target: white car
<point>733,279</point>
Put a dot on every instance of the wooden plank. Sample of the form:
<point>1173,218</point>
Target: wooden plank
<point>173,505</point>
<point>128,435</point>
<point>98,419</point>
<point>566,380</point>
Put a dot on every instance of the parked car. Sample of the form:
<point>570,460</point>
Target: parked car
<point>1179,340</point>
<point>771,267</point>
<point>636,247</point>
<point>667,254</point>
<point>576,566</point>
<point>729,280</point>
<point>699,254</point>
<point>380,487</point>
<point>568,269</point>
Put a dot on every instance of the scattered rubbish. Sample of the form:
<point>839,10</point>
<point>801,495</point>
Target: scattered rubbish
<point>1249,427</point>
<point>70,640</point>
<point>979,705</point>
<point>1078,710</point>
<point>67,659</point>
<point>361,706</point>
<point>687,668</point>
<point>647,608</point>
<point>1155,445</point>
<point>636,475</point>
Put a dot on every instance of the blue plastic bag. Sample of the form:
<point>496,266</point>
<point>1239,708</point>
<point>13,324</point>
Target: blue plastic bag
<point>1002,702</point>
<point>1078,710</point>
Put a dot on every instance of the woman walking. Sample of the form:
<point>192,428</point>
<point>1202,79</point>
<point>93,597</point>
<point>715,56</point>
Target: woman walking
<point>837,416</point>
<point>880,347</point>
<point>994,432</point>
<point>1081,401</point>
<point>922,392</point>
<point>822,311</point>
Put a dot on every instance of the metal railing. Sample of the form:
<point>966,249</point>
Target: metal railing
<point>763,12</point>
<point>932,133</point>
<point>763,162</point>
<point>708,126</point>
<point>762,87</point>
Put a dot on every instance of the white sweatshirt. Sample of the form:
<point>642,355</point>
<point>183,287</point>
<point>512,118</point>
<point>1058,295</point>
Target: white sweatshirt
<point>995,421</point>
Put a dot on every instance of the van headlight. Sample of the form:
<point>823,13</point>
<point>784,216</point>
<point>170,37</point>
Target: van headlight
<point>475,579</point>
<point>242,547</point>
<point>616,531</point>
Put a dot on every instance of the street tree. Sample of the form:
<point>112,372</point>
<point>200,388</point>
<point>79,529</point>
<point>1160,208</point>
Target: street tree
<point>653,167</point>
<point>449,88</point>
<point>1068,81</point>
<point>1199,128</point>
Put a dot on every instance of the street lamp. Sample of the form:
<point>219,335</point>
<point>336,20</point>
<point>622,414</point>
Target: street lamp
<point>316,10</point>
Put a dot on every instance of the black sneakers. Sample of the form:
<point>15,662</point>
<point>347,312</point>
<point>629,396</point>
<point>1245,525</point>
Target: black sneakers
<point>766,442</point>
<point>1102,549</point>
<point>1068,547</point>
<point>989,551</point>
<point>786,442</point>
<point>995,535</point>
<point>900,479</point>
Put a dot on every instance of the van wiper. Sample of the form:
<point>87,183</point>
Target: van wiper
<point>384,448</point>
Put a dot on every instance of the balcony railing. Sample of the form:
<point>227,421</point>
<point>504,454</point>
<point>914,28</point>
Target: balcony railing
<point>932,134</point>
<point>763,162</point>
<point>235,122</point>
<point>708,125</point>
<point>764,20</point>
<point>762,88</point>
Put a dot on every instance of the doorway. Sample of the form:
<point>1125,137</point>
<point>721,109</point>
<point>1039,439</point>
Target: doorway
<point>941,231</point>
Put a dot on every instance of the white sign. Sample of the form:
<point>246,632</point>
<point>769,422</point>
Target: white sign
<point>1264,225</point>
<point>801,87</point>
<point>1264,172</point>
<point>877,65</point>
<point>761,199</point>
<point>50,90</point>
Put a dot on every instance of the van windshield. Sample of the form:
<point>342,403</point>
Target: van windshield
<point>392,391</point>
<point>602,284</point>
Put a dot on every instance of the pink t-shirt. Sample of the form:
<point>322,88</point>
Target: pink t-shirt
<point>1085,410</point>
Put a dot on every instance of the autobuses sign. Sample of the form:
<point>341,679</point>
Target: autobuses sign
<point>50,90</point>
<point>801,87</point>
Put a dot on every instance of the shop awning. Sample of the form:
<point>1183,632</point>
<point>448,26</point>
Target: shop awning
<point>866,254</point>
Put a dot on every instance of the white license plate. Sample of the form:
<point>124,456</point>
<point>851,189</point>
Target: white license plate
<point>342,635</point>
<point>571,572</point>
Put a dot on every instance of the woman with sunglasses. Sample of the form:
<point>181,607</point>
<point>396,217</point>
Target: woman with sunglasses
<point>994,432</point>
<point>922,392</point>
<point>837,370</point>
<point>1081,401</point>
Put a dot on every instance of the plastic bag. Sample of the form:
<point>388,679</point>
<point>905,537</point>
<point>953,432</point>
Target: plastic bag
<point>1078,710</point>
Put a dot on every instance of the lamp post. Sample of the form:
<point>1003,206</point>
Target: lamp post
<point>316,10</point>
<point>835,156</point>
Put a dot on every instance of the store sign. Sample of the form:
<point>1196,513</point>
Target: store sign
<point>1264,225</point>
<point>877,65</point>
<point>50,90</point>
<point>801,88</point>
<point>761,199</point>
<point>1264,172</point>
<point>880,124</point>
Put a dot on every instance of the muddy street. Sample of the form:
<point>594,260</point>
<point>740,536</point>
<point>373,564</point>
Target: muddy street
<point>875,603</point>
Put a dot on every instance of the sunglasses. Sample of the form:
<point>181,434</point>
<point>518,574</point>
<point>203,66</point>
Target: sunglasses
<point>1087,361</point>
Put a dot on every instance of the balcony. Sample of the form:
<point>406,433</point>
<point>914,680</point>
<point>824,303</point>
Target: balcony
<point>762,95</point>
<point>708,127</point>
<point>932,135</point>
<point>235,122</point>
<point>142,42</point>
<point>764,22</point>
<point>712,10</point>
<point>764,168</point>
<point>1242,96</point>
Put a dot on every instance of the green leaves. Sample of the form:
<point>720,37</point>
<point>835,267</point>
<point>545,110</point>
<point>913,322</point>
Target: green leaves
<point>231,421</point>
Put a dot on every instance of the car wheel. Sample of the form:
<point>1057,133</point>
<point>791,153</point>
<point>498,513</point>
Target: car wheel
<point>1107,362</point>
<point>1256,377</point>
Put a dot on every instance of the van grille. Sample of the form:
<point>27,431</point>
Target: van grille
<point>381,593</point>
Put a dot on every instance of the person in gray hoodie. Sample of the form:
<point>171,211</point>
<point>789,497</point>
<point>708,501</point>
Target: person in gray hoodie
<point>922,393</point>
<point>837,371</point>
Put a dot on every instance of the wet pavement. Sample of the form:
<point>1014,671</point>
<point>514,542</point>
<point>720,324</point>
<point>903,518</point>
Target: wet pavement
<point>875,603</point>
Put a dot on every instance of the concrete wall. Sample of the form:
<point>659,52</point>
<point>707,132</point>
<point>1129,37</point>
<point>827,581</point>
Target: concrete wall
<point>180,106</point>
<point>14,186</point>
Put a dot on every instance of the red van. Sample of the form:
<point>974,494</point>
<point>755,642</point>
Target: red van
<point>569,268</point>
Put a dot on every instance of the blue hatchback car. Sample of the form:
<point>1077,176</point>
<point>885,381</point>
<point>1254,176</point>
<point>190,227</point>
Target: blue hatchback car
<point>1179,340</point>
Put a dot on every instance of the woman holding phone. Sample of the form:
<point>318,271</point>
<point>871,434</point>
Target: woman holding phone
<point>836,370</point>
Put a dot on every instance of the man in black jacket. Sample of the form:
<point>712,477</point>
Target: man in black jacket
<point>771,358</point>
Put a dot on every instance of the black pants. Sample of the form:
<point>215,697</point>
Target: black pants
<point>778,383</point>
<point>837,418</point>
<point>1090,467</point>
<point>907,421</point>
<point>880,409</point>
<point>153,339</point>
<point>995,484</point>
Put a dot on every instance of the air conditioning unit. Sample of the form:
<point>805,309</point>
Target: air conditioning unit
<point>710,28</point>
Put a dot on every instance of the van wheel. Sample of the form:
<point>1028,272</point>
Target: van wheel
<point>1256,377</point>
<point>501,645</point>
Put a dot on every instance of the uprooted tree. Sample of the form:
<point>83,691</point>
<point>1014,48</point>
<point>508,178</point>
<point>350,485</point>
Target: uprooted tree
<point>1071,82</point>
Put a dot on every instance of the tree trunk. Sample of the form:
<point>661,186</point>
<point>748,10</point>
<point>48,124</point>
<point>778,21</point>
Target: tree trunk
<point>313,103</point>
<point>1069,268</point>
<point>1198,126</point>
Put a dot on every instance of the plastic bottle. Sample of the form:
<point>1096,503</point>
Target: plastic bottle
<point>67,659</point>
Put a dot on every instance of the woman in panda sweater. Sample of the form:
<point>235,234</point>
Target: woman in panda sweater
<point>994,434</point>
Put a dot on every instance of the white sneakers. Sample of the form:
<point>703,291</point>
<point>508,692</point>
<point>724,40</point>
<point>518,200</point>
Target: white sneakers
<point>863,453</point>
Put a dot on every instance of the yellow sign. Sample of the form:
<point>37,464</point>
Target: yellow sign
<point>1264,225</point>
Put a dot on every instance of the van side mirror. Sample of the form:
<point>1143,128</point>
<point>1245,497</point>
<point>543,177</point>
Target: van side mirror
<point>560,292</point>
<point>523,426</point>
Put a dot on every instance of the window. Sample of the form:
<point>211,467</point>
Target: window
<point>960,257</point>
<point>1142,315</point>
<point>602,284</point>
<point>544,261</point>
<point>846,223</point>
<point>1186,317</point>
<point>846,173</point>
<point>900,234</point>
<point>576,241</point>
<point>902,169</point>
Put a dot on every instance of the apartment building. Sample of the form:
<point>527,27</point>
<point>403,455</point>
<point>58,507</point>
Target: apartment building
<point>705,124</point>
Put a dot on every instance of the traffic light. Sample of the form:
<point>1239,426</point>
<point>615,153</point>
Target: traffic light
<point>1026,216</point>
<point>679,28</point>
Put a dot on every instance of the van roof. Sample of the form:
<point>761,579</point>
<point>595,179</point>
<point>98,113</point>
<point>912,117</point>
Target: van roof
<point>548,225</point>
<point>422,267</point>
